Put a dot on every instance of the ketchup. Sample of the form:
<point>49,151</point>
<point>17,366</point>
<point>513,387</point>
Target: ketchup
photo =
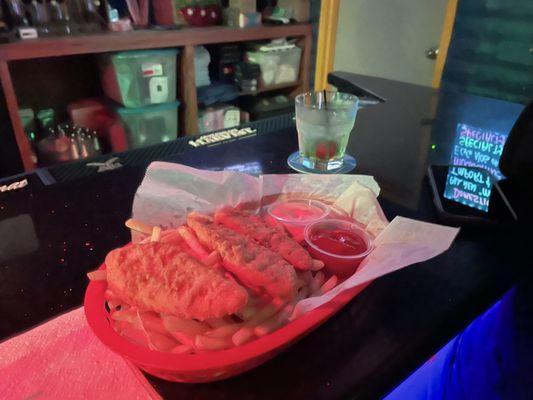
<point>339,241</point>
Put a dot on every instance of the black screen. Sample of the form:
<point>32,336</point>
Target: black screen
<point>470,192</point>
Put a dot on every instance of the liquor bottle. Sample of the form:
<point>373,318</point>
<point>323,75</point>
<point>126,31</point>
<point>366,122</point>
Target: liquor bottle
<point>38,12</point>
<point>5,35</point>
<point>94,20</point>
<point>58,20</point>
<point>20,24</point>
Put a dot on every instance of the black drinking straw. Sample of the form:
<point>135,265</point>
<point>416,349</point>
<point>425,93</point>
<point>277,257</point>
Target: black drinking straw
<point>326,106</point>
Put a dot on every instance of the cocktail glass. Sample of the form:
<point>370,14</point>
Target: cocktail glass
<point>324,121</point>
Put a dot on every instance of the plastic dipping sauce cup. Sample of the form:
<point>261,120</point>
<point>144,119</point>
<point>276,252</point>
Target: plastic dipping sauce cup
<point>341,245</point>
<point>296,214</point>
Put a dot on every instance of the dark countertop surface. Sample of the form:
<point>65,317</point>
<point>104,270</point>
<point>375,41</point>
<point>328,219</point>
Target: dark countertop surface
<point>52,235</point>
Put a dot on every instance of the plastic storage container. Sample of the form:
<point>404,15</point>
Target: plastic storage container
<point>267,106</point>
<point>167,13</point>
<point>140,78</point>
<point>223,116</point>
<point>202,58</point>
<point>150,125</point>
<point>277,65</point>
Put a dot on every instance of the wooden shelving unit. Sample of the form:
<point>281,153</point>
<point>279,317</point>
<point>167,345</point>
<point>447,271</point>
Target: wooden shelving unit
<point>271,88</point>
<point>146,39</point>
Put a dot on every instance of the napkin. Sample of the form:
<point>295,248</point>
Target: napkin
<point>63,359</point>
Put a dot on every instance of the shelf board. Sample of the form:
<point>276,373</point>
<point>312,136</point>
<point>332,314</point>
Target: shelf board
<point>143,39</point>
<point>271,88</point>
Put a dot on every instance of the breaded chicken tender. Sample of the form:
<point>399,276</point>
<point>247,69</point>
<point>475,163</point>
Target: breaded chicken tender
<point>266,235</point>
<point>161,277</point>
<point>254,265</point>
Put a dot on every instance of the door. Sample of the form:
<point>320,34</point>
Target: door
<point>389,38</point>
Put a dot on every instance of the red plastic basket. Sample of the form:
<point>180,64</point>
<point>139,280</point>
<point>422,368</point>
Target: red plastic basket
<point>209,366</point>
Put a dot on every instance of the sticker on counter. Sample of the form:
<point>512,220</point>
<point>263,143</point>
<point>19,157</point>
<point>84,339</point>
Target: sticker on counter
<point>218,137</point>
<point>14,186</point>
<point>109,165</point>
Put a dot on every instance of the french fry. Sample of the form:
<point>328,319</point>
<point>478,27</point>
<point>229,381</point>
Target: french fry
<point>160,342</point>
<point>271,324</point>
<point>317,265</point>
<point>184,338</point>
<point>320,278</point>
<point>303,293</point>
<point>187,326</point>
<point>98,275</point>
<point>223,331</point>
<point>247,312</point>
<point>263,314</point>
<point>146,240</point>
<point>182,330</point>
<point>170,236</point>
<point>289,308</point>
<point>153,323</point>
<point>133,334</point>
<point>317,282</point>
<point>328,285</point>
<point>276,321</point>
<point>156,234</point>
<point>124,315</point>
<point>192,241</point>
<point>204,343</point>
<point>182,349</point>
<point>112,304</point>
<point>139,226</point>
<point>217,322</point>
<point>118,326</point>
<point>243,335</point>
<point>130,317</point>
<point>306,276</point>
<point>211,259</point>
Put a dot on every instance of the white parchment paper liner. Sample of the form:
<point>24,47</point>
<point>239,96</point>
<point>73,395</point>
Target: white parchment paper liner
<point>170,191</point>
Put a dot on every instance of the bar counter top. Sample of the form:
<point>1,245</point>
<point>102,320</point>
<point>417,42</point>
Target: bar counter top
<point>52,235</point>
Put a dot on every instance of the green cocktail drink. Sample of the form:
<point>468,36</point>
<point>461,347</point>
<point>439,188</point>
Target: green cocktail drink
<point>324,121</point>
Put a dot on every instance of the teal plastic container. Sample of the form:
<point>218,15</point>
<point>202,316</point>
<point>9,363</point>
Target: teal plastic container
<point>277,67</point>
<point>139,78</point>
<point>150,125</point>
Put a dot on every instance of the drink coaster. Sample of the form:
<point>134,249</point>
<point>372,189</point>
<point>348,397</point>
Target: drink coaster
<point>296,162</point>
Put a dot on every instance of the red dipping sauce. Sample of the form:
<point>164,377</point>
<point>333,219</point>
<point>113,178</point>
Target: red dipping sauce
<point>339,241</point>
<point>340,244</point>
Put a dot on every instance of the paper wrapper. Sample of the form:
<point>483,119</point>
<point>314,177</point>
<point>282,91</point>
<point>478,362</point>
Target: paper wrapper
<point>170,191</point>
